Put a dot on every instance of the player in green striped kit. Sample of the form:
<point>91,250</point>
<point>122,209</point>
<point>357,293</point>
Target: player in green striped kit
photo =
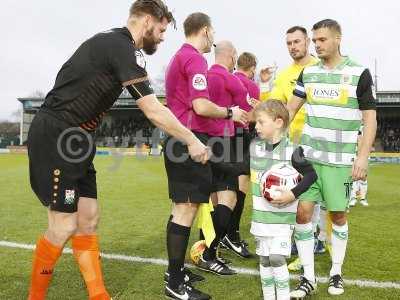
<point>274,212</point>
<point>338,96</point>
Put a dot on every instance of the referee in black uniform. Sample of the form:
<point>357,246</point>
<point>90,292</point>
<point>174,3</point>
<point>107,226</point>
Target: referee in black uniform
<point>60,140</point>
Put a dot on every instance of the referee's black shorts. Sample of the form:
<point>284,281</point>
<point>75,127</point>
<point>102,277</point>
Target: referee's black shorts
<point>222,164</point>
<point>242,141</point>
<point>60,162</point>
<point>188,181</point>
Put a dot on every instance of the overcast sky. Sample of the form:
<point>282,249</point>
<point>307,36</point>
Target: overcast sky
<point>39,36</point>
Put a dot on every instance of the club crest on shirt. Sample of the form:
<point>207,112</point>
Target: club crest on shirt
<point>199,82</point>
<point>260,150</point>
<point>141,62</point>
<point>69,196</point>
<point>346,79</point>
<point>314,79</point>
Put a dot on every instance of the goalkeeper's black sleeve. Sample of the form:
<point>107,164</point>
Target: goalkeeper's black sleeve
<point>305,168</point>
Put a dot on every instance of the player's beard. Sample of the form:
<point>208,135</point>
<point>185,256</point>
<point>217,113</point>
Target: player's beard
<point>149,42</point>
<point>298,55</point>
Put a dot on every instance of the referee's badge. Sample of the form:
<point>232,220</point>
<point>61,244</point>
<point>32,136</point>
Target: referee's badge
<point>69,197</point>
<point>199,82</point>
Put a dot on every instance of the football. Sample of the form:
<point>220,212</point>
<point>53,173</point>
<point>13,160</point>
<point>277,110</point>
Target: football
<point>280,175</point>
<point>197,250</point>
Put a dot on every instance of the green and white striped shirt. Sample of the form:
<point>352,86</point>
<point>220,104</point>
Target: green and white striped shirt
<point>334,100</point>
<point>268,220</point>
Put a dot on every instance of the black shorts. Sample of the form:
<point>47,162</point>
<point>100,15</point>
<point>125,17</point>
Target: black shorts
<point>60,163</point>
<point>222,161</point>
<point>243,138</point>
<point>188,181</point>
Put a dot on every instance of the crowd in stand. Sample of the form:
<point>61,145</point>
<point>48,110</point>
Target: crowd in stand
<point>127,132</point>
<point>389,133</point>
<point>137,129</point>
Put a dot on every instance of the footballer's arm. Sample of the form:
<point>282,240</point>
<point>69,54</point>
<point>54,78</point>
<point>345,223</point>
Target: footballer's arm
<point>294,106</point>
<point>360,166</point>
<point>298,99</point>
<point>367,105</point>
<point>205,108</point>
<point>157,113</point>
<point>164,119</point>
<point>369,132</point>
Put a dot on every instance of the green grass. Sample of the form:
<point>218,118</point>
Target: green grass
<point>135,207</point>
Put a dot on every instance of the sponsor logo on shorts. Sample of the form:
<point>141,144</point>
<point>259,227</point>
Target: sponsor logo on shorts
<point>347,188</point>
<point>284,245</point>
<point>69,197</point>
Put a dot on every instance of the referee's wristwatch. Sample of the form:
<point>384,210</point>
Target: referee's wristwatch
<point>229,113</point>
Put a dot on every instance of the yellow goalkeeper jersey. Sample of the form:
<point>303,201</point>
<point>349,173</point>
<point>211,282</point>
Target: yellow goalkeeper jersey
<point>283,90</point>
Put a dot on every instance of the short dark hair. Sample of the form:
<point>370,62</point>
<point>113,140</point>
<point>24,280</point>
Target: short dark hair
<point>155,8</point>
<point>246,60</point>
<point>195,22</point>
<point>297,28</point>
<point>328,23</point>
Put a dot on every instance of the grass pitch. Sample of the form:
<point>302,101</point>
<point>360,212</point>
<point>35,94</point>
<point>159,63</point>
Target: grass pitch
<point>135,208</point>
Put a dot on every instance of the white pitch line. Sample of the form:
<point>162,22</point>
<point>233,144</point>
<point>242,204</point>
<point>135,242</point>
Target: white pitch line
<point>243,271</point>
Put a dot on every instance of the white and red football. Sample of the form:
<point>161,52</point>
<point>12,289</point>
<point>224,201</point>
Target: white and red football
<point>280,175</point>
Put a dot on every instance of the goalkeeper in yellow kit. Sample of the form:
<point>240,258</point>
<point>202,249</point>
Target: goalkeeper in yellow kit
<point>297,42</point>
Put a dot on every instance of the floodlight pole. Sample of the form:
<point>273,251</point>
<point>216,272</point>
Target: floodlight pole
<point>21,124</point>
<point>376,75</point>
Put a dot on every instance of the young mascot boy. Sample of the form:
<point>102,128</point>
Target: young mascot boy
<point>274,199</point>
